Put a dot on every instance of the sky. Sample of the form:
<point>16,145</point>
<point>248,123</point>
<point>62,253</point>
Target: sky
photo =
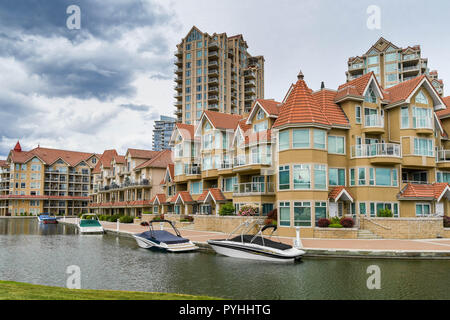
<point>103,85</point>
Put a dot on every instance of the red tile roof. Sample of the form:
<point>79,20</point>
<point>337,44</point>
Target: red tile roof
<point>354,87</point>
<point>49,156</point>
<point>4,164</point>
<point>215,193</point>
<point>271,106</point>
<point>161,198</point>
<point>119,159</point>
<point>427,191</point>
<point>223,120</point>
<point>301,108</point>
<point>186,131</point>
<point>325,99</point>
<point>446,112</point>
<point>335,192</point>
<point>105,160</point>
<point>402,90</point>
<point>185,197</point>
<point>142,154</point>
<point>161,160</point>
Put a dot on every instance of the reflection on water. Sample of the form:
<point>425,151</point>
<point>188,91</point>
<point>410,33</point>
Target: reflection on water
<point>40,254</point>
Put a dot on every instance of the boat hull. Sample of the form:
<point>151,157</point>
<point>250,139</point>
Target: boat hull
<point>255,252</point>
<point>148,244</point>
<point>91,230</point>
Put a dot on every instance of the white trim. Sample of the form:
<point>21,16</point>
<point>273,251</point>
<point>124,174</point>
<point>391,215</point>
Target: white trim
<point>344,191</point>
<point>447,188</point>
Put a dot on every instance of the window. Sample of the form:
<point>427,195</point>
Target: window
<point>372,60</point>
<point>217,139</point>
<point>405,118</point>
<point>302,214</point>
<point>336,144</point>
<point>423,147</point>
<point>422,118</point>
<point>319,139</point>
<point>178,169</point>
<point>196,188</point>
<point>421,98</point>
<point>207,163</point>
<point>362,208</point>
<point>423,209</point>
<point>361,176</point>
<point>352,177</point>
<point>376,207</point>
<point>266,208</point>
<point>302,176</point>
<point>320,211</point>
<point>391,77</point>
<point>207,142</point>
<point>370,96</point>
<point>285,214</point>
<point>301,138</point>
<point>320,176</point>
<point>284,178</point>
<point>358,114</point>
<point>284,140</point>
<point>391,57</point>
<point>336,177</point>
<point>260,115</point>
<point>391,67</point>
<point>261,126</point>
<point>383,177</point>
<point>228,184</point>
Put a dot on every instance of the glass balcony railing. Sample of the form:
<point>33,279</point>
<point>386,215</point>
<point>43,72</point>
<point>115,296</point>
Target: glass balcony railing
<point>422,123</point>
<point>442,156</point>
<point>374,121</point>
<point>253,188</point>
<point>376,150</point>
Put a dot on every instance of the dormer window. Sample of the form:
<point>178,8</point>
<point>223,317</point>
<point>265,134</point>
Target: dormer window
<point>421,98</point>
<point>370,96</point>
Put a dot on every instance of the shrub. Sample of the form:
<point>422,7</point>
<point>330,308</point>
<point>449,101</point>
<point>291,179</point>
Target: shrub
<point>113,218</point>
<point>126,219</point>
<point>347,222</point>
<point>335,225</point>
<point>227,209</point>
<point>147,212</point>
<point>158,218</point>
<point>187,219</point>
<point>269,222</point>
<point>323,223</point>
<point>335,220</point>
<point>446,222</point>
<point>273,215</point>
<point>385,213</point>
<point>247,211</point>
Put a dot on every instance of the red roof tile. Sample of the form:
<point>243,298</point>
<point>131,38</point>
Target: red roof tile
<point>430,191</point>
<point>161,198</point>
<point>223,120</point>
<point>354,87</point>
<point>142,154</point>
<point>403,90</point>
<point>186,131</point>
<point>325,99</point>
<point>272,107</point>
<point>105,160</point>
<point>215,193</point>
<point>49,156</point>
<point>446,112</point>
<point>4,164</point>
<point>161,160</point>
<point>335,192</point>
<point>301,108</point>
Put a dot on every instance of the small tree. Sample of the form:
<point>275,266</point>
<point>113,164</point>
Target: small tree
<point>385,213</point>
<point>227,209</point>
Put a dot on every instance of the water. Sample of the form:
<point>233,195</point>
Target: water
<point>40,254</point>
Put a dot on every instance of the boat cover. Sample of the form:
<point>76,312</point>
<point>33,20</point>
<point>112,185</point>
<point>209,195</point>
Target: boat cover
<point>162,236</point>
<point>268,243</point>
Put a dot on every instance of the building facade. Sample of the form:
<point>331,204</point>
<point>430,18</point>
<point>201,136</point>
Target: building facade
<point>354,151</point>
<point>162,132</point>
<point>392,65</point>
<point>215,72</point>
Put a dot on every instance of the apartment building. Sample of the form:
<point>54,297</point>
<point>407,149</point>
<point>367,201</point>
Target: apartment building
<point>125,184</point>
<point>352,151</point>
<point>162,131</point>
<point>46,180</point>
<point>217,73</point>
<point>392,65</point>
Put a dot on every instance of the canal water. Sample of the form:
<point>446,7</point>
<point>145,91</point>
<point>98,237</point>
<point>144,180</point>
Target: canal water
<point>40,254</point>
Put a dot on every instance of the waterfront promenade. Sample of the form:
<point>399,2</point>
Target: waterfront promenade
<point>382,248</point>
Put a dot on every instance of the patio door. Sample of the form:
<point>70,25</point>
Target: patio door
<point>258,184</point>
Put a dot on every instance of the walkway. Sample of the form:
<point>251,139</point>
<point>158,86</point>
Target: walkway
<point>432,248</point>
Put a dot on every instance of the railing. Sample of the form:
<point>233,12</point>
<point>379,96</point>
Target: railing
<point>253,187</point>
<point>252,159</point>
<point>144,182</point>
<point>410,57</point>
<point>373,121</point>
<point>411,68</point>
<point>442,156</point>
<point>376,150</point>
<point>226,165</point>
<point>192,170</point>
<point>356,66</point>
<point>414,182</point>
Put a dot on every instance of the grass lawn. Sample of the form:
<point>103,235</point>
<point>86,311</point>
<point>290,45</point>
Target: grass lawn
<point>24,291</point>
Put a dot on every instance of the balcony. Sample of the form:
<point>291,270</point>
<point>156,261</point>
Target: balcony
<point>213,89</point>
<point>213,72</point>
<point>373,124</point>
<point>178,53</point>
<point>213,98</point>
<point>213,55</point>
<point>248,74</point>
<point>356,66</point>
<point>213,80</point>
<point>378,153</point>
<point>253,188</point>
<point>443,159</point>
<point>213,45</point>
<point>410,57</point>
<point>179,71</point>
<point>213,64</point>
<point>252,162</point>
<point>423,125</point>
<point>192,170</point>
<point>214,107</point>
<point>250,83</point>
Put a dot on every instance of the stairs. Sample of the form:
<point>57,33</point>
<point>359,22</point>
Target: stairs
<point>366,234</point>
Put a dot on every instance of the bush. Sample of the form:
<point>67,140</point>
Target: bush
<point>347,222</point>
<point>385,213</point>
<point>323,223</point>
<point>335,220</point>
<point>446,222</point>
<point>269,222</point>
<point>247,211</point>
<point>187,219</point>
<point>227,209</point>
<point>335,225</point>
<point>113,218</point>
<point>273,215</point>
<point>126,219</point>
<point>158,218</point>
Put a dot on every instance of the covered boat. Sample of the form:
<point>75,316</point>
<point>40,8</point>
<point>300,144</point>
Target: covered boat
<point>255,246</point>
<point>47,219</point>
<point>90,224</point>
<point>162,239</point>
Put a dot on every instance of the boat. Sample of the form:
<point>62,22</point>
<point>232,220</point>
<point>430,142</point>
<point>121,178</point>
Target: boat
<point>47,219</point>
<point>164,240</point>
<point>90,224</point>
<point>255,246</point>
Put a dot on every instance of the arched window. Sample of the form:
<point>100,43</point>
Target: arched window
<point>370,96</point>
<point>421,98</point>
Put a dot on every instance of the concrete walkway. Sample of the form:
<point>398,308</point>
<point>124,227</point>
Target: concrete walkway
<point>383,248</point>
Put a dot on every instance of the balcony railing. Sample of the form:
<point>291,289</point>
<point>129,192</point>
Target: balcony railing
<point>373,121</point>
<point>254,188</point>
<point>252,159</point>
<point>422,123</point>
<point>442,156</point>
<point>376,150</point>
<point>192,170</point>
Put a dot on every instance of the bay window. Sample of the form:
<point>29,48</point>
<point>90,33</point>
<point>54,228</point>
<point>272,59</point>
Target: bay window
<point>285,214</point>
<point>405,117</point>
<point>302,214</point>
<point>319,139</point>
<point>301,138</point>
<point>336,144</point>
<point>302,176</point>
<point>423,209</point>
<point>284,178</point>
<point>422,117</point>
<point>320,210</point>
<point>320,176</point>
<point>423,147</point>
<point>284,140</point>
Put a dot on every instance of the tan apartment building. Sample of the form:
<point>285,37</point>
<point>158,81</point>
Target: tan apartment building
<point>354,151</point>
<point>217,73</point>
<point>392,65</point>
<point>125,184</point>
<point>46,180</point>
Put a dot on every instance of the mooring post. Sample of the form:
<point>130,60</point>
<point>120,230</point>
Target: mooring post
<point>118,225</point>
<point>298,242</point>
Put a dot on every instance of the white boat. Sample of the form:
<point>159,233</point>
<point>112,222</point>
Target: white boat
<point>255,246</point>
<point>90,224</point>
<point>164,240</point>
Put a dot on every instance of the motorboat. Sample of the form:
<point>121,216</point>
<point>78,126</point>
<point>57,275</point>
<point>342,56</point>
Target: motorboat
<point>164,240</point>
<point>90,224</point>
<point>256,245</point>
<point>45,218</point>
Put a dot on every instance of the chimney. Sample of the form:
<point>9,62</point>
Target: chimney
<point>300,75</point>
<point>322,85</point>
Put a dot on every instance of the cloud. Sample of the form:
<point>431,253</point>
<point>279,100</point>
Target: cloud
<point>136,107</point>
